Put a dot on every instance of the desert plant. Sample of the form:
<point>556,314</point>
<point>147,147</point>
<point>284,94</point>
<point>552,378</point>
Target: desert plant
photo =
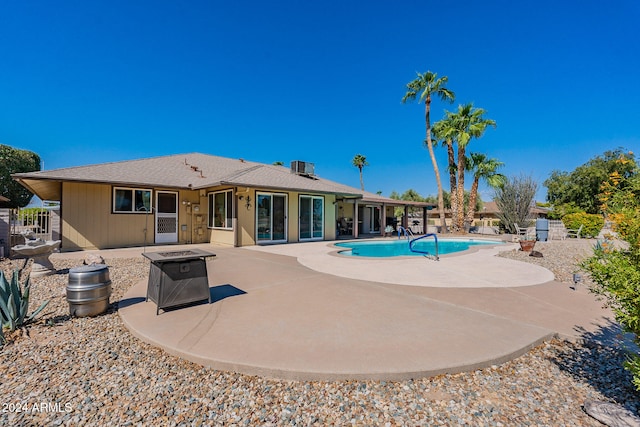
<point>515,199</point>
<point>14,302</point>
<point>591,223</point>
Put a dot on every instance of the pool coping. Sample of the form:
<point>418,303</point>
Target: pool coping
<point>471,249</point>
<point>480,268</point>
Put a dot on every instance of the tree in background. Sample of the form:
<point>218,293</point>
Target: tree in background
<point>484,168</point>
<point>514,199</point>
<point>360,162</point>
<point>409,195</point>
<point>422,88</point>
<point>14,160</point>
<point>580,188</point>
<point>615,270</point>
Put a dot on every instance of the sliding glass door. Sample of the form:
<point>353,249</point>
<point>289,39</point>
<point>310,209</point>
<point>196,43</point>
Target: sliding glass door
<point>271,217</point>
<point>311,217</point>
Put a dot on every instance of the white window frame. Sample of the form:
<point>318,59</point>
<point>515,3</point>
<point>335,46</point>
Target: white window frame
<point>286,216</point>
<point>324,218</point>
<point>133,200</point>
<point>212,213</point>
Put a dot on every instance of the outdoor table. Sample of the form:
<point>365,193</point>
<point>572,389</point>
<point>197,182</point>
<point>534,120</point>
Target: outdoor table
<point>178,277</point>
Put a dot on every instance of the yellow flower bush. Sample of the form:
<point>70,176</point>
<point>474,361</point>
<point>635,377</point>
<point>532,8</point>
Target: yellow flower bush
<point>616,271</point>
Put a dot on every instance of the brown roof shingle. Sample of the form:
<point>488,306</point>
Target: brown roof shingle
<point>193,171</point>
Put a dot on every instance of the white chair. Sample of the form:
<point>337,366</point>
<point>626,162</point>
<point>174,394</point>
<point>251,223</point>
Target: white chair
<point>521,232</point>
<point>575,233</point>
<point>557,230</point>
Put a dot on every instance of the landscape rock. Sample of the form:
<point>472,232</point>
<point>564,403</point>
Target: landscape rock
<point>92,371</point>
<point>93,259</point>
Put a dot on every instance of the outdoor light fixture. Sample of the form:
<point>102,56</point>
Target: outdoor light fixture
<point>248,204</point>
<point>577,278</point>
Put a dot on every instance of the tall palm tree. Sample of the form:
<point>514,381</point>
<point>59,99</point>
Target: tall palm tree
<point>360,162</point>
<point>443,130</point>
<point>422,88</point>
<point>485,168</point>
<point>469,122</point>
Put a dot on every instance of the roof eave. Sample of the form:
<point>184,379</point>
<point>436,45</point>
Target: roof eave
<point>299,190</point>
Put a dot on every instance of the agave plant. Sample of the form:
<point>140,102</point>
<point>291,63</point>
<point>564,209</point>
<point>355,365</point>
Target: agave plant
<point>14,302</point>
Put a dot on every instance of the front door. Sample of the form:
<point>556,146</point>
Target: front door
<point>271,217</point>
<point>166,217</point>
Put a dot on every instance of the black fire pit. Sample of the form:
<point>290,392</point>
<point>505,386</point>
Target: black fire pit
<point>178,277</point>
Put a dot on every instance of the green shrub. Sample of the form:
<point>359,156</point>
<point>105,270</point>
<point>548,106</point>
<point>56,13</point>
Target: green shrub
<point>591,224</point>
<point>559,211</point>
<point>29,212</point>
<point>615,271</point>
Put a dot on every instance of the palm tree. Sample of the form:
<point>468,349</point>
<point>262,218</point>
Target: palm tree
<point>485,168</point>
<point>360,162</point>
<point>443,130</point>
<point>469,122</point>
<point>425,85</point>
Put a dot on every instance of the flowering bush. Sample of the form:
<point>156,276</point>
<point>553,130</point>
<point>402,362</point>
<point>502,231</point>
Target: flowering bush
<point>591,224</point>
<point>616,271</point>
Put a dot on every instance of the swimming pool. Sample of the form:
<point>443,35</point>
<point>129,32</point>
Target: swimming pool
<point>400,247</point>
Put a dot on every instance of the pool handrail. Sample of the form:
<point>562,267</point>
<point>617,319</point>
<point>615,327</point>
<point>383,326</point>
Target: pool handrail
<point>406,231</point>
<point>412,241</point>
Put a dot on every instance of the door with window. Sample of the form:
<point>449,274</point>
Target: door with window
<point>311,217</point>
<point>166,217</point>
<point>271,217</point>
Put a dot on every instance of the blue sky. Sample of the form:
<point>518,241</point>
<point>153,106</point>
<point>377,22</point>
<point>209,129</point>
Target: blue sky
<point>90,82</point>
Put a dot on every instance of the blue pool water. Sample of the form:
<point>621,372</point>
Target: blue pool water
<point>401,247</point>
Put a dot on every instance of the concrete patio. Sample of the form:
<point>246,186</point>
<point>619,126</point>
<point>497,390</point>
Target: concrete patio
<point>286,311</point>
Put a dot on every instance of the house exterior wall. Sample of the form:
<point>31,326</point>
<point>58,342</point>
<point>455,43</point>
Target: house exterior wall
<point>246,218</point>
<point>345,210</point>
<point>87,221</point>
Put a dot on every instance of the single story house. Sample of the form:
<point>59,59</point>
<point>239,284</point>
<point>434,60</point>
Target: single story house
<point>199,198</point>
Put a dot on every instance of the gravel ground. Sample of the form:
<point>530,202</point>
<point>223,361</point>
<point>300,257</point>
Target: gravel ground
<point>91,371</point>
<point>561,257</point>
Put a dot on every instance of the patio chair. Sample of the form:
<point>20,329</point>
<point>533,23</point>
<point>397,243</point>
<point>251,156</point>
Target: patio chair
<point>574,233</point>
<point>557,230</point>
<point>345,227</point>
<point>521,232</point>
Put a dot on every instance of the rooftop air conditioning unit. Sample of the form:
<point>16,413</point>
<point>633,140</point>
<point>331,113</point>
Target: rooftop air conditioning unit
<point>302,168</point>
